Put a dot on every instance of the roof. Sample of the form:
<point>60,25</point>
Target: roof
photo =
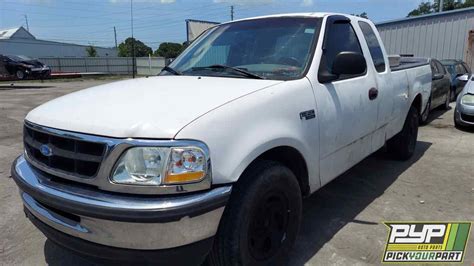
<point>439,14</point>
<point>15,33</point>
<point>307,14</point>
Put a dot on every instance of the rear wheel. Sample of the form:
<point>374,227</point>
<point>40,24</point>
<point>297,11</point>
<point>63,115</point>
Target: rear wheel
<point>448,100</point>
<point>424,116</point>
<point>402,146</point>
<point>20,74</point>
<point>261,220</point>
<point>453,94</point>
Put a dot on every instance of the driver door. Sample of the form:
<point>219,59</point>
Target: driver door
<point>347,116</point>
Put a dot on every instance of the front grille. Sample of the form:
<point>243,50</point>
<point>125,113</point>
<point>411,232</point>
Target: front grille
<point>467,118</point>
<point>64,154</point>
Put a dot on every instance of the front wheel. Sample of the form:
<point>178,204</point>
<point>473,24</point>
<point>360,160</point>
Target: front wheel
<point>261,220</point>
<point>402,146</point>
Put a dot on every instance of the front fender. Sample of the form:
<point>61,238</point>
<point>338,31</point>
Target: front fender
<point>239,131</point>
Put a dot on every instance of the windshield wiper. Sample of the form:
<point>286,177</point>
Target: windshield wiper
<point>171,70</point>
<point>235,69</point>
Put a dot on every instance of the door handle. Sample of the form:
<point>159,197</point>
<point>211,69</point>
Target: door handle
<point>373,93</point>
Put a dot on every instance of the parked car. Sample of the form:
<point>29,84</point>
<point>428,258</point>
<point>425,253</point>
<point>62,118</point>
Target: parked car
<point>464,112</point>
<point>213,156</point>
<point>22,67</point>
<point>440,90</point>
<point>460,73</point>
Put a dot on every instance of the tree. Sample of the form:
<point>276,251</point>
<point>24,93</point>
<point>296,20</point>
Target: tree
<point>468,3</point>
<point>448,5</point>
<point>362,15</point>
<point>169,50</point>
<point>423,9</point>
<point>91,51</point>
<point>428,7</point>
<point>141,50</point>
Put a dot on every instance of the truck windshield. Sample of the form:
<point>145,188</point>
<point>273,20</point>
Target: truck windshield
<point>271,48</point>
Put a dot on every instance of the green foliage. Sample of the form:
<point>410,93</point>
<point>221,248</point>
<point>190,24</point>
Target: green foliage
<point>429,7</point>
<point>169,50</point>
<point>141,50</point>
<point>362,15</point>
<point>423,9</point>
<point>91,51</point>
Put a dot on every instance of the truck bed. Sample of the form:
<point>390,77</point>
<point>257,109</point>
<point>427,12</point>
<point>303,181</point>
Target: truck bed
<point>409,62</point>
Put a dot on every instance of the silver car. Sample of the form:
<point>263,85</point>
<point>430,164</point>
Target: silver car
<point>464,112</point>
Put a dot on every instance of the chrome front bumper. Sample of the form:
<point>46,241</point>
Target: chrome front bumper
<point>117,220</point>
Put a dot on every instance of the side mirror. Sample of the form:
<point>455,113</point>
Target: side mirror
<point>345,63</point>
<point>463,78</point>
<point>437,76</point>
<point>349,63</point>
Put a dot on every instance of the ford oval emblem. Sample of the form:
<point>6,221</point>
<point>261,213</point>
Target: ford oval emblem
<point>46,150</point>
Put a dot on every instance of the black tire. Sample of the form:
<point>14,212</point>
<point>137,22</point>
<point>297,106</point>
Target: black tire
<point>402,146</point>
<point>20,74</point>
<point>448,100</point>
<point>456,123</point>
<point>426,114</point>
<point>261,220</point>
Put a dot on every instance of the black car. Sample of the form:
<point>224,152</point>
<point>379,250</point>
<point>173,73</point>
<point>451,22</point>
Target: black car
<point>440,89</point>
<point>22,67</point>
<point>460,73</point>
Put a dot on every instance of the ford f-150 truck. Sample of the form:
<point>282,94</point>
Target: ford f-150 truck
<point>210,160</point>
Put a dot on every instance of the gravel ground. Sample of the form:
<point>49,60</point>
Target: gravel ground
<point>342,222</point>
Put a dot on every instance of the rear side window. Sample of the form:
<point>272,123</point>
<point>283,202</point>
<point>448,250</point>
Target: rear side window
<point>460,70</point>
<point>468,69</point>
<point>440,67</point>
<point>340,37</point>
<point>374,46</point>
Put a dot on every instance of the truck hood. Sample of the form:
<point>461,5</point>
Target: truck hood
<point>155,107</point>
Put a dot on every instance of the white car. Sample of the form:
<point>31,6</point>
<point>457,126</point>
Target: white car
<point>212,158</point>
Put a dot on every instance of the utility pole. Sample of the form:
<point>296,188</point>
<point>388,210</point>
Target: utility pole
<point>133,39</point>
<point>115,35</point>
<point>441,5</point>
<point>231,13</point>
<point>27,25</point>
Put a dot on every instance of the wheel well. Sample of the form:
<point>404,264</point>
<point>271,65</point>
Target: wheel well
<point>291,158</point>
<point>417,103</point>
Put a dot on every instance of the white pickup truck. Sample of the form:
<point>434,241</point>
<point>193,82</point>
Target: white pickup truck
<point>211,159</point>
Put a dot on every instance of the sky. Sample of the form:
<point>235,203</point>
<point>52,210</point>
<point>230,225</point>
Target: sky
<point>155,21</point>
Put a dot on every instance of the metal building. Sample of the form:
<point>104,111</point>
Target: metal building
<point>446,35</point>
<point>19,41</point>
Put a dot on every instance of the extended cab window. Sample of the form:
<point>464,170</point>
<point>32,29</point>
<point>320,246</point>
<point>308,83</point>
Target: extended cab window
<point>374,46</point>
<point>340,37</point>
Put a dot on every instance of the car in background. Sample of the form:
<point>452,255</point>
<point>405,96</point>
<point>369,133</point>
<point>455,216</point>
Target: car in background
<point>464,112</point>
<point>440,89</point>
<point>460,73</point>
<point>22,67</point>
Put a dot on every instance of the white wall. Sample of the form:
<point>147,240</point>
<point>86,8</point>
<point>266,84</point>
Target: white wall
<point>39,48</point>
<point>444,36</point>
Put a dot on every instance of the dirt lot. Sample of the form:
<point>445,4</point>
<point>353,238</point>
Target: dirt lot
<point>342,223</point>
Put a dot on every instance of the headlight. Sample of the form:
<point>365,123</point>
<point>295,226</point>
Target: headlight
<point>468,99</point>
<point>154,166</point>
